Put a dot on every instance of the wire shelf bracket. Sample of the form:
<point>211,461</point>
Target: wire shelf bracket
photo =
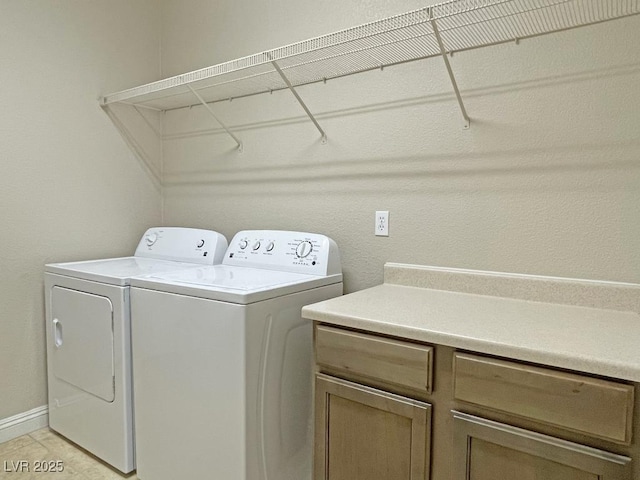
<point>141,154</point>
<point>155,131</point>
<point>215,117</point>
<point>300,101</point>
<point>443,52</point>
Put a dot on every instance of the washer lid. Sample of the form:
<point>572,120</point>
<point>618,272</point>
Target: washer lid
<point>115,271</point>
<point>232,284</point>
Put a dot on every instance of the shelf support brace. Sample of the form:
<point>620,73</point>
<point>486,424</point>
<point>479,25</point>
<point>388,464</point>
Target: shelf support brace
<point>302,104</point>
<point>149,124</point>
<point>142,156</point>
<point>443,52</point>
<point>215,117</point>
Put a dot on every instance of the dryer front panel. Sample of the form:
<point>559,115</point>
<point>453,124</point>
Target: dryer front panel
<point>82,341</point>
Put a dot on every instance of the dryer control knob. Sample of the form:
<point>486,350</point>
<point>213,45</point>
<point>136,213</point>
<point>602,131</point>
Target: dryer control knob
<point>243,244</point>
<point>270,246</point>
<point>304,249</point>
<point>151,238</point>
<point>256,245</point>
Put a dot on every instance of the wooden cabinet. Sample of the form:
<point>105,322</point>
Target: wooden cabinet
<point>487,450</point>
<point>363,433</point>
<point>493,418</point>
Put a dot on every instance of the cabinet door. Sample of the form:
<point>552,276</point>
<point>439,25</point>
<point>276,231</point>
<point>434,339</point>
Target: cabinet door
<point>487,450</point>
<point>363,433</point>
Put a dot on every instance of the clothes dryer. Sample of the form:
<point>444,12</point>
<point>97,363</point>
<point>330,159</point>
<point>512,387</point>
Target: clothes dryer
<point>89,340</point>
<point>223,360</point>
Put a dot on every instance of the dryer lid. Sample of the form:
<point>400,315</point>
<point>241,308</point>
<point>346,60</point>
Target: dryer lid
<point>161,249</point>
<point>115,271</point>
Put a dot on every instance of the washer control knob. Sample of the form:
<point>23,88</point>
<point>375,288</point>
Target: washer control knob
<point>304,249</point>
<point>151,238</point>
<point>256,246</point>
<point>243,244</point>
<point>201,243</point>
<point>270,246</point>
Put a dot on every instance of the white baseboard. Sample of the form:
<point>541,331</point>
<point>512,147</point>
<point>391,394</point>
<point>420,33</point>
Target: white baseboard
<point>23,423</point>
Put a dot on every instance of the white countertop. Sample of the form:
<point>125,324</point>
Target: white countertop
<point>601,341</point>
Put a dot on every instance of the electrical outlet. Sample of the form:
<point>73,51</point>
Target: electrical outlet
<point>382,223</point>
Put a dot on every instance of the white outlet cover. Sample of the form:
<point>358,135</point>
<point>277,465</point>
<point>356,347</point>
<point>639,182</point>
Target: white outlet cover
<point>382,223</point>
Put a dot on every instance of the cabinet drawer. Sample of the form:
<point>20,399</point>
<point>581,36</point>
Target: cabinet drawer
<point>486,450</point>
<point>600,408</point>
<point>391,361</point>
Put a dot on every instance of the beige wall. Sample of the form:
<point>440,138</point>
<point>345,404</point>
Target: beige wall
<point>69,186</point>
<point>546,181</point>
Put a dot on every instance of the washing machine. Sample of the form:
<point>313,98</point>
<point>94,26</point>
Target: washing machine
<point>89,338</point>
<point>223,360</point>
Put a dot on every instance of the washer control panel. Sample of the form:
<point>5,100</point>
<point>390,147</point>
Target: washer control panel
<point>309,253</point>
<point>192,245</point>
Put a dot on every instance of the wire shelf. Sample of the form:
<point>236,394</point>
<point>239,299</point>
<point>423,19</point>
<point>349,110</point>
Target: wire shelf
<point>462,24</point>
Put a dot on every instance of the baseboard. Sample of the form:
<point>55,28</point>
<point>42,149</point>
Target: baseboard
<point>23,423</point>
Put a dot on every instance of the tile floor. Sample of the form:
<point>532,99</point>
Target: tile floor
<point>47,445</point>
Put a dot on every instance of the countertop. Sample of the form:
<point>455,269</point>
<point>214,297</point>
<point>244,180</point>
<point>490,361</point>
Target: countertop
<point>581,325</point>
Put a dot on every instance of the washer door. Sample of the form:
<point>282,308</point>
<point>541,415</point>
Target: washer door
<point>82,341</point>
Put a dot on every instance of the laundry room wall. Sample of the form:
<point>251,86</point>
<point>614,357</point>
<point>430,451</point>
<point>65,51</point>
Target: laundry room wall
<point>70,189</point>
<point>546,180</point>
